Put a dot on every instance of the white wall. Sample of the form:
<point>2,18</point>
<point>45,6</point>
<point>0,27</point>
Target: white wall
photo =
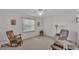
<point>47,24</point>
<point>78,30</point>
<point>5,25</point>
<point>64,20</point>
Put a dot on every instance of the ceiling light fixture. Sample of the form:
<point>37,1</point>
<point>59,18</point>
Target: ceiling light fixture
<point>40,12</point>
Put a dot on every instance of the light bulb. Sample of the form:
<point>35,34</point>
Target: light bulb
<point>40,12</point>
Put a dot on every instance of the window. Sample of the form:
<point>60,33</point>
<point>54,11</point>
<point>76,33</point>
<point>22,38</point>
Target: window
<point>28,25</point>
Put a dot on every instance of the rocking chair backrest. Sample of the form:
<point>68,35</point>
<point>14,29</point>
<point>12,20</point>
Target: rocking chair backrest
<point>10,35</point>
<point>64,33</point>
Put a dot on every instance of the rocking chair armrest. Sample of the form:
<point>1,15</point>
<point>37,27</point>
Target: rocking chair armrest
<point>18,35</point>
<point>58,34</point>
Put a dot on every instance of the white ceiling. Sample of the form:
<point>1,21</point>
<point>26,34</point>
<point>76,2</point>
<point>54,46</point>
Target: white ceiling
<point>47,12</point>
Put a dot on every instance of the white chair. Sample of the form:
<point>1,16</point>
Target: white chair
<point>63,34</point>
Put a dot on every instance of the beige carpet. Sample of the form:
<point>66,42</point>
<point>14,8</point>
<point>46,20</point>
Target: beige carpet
<point>37,43</point>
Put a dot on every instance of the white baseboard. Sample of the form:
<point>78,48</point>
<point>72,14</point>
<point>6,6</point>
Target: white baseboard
<point>30,37</point>
<point>49,36</point>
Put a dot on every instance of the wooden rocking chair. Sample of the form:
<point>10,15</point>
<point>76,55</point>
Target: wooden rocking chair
<point>14,39</point>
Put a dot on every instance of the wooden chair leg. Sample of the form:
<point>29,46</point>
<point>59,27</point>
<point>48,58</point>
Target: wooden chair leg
<point>21,42</point>
<point>10,44</point>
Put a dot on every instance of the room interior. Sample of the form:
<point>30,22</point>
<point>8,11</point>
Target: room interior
<point>39,28</point>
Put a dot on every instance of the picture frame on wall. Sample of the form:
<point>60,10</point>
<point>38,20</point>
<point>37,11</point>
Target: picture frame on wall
<point>76,19</point>
<point>28,25</point>
<point>13,22</point>
<point>38,24</point>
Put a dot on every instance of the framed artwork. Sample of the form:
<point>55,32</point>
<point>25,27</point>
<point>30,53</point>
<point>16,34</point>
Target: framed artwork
<point>28,25</point>
<point>38,24</point>
<point>76,19</point>
<point>13,22</point>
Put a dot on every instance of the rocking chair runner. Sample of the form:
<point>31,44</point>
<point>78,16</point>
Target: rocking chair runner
<point>14,39</point>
